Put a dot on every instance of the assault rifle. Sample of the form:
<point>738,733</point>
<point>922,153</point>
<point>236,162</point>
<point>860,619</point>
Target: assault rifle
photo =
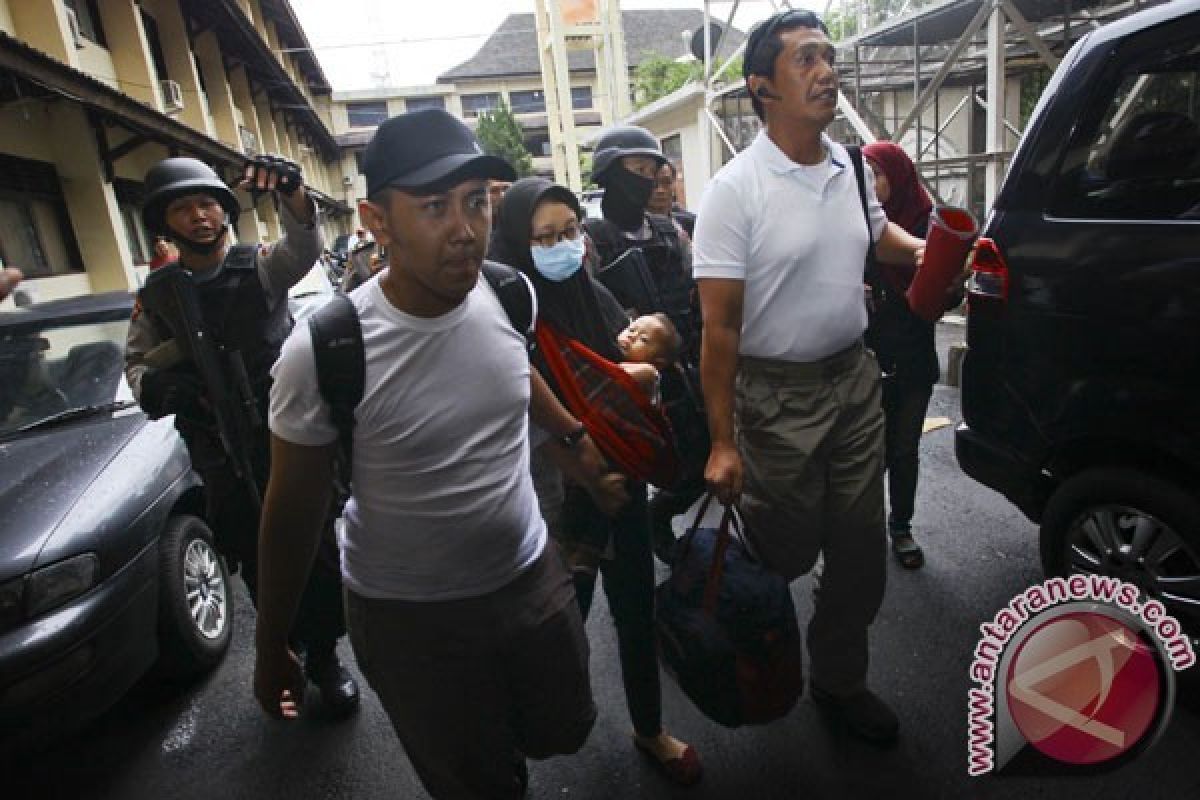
<point>171,292</point>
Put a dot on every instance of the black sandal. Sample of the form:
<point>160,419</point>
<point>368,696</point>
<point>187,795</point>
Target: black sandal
<point>907,551</point>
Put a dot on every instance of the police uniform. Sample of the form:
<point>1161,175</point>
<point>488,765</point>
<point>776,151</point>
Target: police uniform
<point>244,305</point>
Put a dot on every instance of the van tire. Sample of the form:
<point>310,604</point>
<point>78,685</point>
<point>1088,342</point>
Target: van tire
<point>1112,493</point>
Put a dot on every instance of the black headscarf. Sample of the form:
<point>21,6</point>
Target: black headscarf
<point>574,306</point>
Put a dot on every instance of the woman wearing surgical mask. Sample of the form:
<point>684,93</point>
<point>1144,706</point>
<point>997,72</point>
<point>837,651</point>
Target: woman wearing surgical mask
<point>538,232</point>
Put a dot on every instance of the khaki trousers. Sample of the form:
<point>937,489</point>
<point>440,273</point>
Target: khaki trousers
<point>811,438</point>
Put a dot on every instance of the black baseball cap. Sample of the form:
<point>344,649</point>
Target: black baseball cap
<point>428,151</point>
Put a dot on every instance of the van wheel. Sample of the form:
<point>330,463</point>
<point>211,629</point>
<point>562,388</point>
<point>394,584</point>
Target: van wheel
<point>1133,526</point>
<point>195,601</point>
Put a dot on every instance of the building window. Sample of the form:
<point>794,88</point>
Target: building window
<point>87,17</point>
<point>672,148</point>
<point>423,103</point>
<point>35,229</point>
<point>249,141</point>
<point>581,97</point>
<point>131,196</point>
<point>538,144</point>
<point>36,236</point>
<point>150,26</point>
<point>475,104</point>
<point>366,115</point>
<point>528,102</point>
<point>358,161</point>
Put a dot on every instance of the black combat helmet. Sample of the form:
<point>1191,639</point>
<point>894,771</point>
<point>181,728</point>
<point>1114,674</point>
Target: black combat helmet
<point>176,177</point>
<point>624,140</point>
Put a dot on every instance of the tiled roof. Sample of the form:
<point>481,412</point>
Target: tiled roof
<point>512,48</point>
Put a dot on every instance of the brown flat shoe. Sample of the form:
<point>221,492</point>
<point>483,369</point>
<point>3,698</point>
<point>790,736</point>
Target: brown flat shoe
<point>684,770</point>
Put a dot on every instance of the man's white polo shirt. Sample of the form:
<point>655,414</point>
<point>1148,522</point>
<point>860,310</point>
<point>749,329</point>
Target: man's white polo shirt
<point>796,235</point>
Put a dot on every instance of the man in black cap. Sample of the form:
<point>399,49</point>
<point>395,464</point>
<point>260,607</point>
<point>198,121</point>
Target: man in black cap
<point>461,614</point>
<point>242,293</point>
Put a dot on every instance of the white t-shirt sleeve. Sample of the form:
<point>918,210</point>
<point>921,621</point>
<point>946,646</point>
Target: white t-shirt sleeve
<point>298,412</point>
<point>721,246</point>
<point>875,213</point>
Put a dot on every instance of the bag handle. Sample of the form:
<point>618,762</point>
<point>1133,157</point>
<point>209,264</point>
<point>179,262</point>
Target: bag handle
<point>716,568</point>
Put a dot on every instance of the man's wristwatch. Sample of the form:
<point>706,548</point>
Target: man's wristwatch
<point>569,440</point>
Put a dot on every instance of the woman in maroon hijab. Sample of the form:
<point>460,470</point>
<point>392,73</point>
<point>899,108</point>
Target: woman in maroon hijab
<point>904,344</point>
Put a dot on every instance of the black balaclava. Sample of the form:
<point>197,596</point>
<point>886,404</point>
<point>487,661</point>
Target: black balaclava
<point>626,196</point>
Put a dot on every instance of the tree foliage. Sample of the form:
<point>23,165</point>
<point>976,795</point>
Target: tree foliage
<point>658,76</point>
<point>500,134</point>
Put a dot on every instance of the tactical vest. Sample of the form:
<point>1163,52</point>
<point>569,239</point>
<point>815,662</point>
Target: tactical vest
<point>664,256</point>
<point>235,309</point>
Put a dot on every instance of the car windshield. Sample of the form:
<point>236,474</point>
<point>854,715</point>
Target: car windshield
<point>52,370</point>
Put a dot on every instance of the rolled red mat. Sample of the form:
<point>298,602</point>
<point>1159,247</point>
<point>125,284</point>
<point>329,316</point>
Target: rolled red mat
<point>952,231</point>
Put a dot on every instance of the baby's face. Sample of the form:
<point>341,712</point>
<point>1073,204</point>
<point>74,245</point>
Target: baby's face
<point>644,341</point>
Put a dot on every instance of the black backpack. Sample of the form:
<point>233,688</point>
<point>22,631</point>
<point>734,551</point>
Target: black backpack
<point>341,362</point>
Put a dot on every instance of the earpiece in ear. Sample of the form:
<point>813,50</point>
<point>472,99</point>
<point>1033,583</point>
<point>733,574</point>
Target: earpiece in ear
<point>765,93</point>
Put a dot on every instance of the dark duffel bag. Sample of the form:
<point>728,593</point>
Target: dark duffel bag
<point>727,629</point>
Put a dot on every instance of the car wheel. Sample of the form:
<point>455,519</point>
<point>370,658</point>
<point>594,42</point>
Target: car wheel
<point>195,599</point>
<point>1133,526</point>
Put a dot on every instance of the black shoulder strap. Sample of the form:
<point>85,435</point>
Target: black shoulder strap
<point>241,256</point>
<point>664,227</point>
<point>515,296</point>
<point>607,237</point>
<point>856,158</point>
<point>341,364</point>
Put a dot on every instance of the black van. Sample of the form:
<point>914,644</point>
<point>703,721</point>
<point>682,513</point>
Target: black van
<point>1081,382</point>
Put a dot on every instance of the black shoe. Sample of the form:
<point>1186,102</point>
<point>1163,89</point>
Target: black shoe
<point>861,714</point>
<point>339,690</point>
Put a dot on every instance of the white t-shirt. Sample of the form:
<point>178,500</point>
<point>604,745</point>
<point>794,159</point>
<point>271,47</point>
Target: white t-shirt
<point>443,506</point>
<point>796,235</point>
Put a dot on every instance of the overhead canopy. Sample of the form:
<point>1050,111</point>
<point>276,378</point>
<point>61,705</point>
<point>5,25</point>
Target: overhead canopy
<point>33,74</point>
<point>946,21</point>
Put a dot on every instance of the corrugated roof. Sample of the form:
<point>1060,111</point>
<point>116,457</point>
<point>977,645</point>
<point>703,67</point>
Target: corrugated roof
<point>512,47</point>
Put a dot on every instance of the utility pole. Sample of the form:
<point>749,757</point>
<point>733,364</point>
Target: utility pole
<point>565,26</point>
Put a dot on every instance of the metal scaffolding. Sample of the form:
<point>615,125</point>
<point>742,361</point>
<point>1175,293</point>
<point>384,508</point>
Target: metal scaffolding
<point>953,81</point>
<point>581,25</point>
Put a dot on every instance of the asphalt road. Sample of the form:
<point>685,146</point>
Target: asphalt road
<point>211,742</point>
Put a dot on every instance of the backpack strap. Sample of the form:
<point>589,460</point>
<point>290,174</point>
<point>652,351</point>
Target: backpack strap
<point>871,271</point>
<point>607,237</point>
<point>516,297</point>
<point>665,230</point>
<point>341,367</point>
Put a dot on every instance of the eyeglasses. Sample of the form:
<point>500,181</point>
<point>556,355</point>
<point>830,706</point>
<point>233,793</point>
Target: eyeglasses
<point>801,17</point>
<point>571,232</point>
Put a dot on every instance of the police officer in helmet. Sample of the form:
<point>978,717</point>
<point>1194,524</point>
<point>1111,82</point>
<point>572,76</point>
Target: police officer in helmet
<point>625,163</point>
<point>242,294</point>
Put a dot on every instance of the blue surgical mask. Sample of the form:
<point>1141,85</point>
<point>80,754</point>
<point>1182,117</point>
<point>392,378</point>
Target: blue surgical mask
<point>559,262</point>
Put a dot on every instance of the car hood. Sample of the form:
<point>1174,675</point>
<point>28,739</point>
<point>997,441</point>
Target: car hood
<point>44,474</point>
